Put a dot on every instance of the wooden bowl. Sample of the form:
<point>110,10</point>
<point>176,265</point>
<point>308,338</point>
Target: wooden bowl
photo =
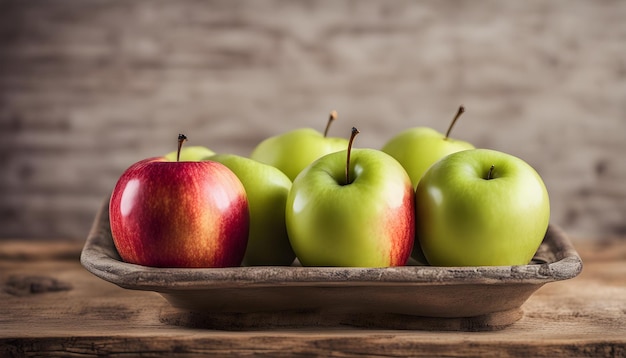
<point>408,297</point>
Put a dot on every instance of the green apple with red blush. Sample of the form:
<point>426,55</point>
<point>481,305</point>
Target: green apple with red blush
<point>353,208</point>
<point>293,151</point>
<point>167,213</point>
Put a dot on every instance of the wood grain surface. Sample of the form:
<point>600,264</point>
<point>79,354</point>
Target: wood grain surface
<point>89,87</point>
<point>413,297</point>
<point>52,306</point>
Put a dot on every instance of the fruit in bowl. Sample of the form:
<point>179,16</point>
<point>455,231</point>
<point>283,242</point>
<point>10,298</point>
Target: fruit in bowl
<point>420,147</point>
<point>481,207</point>
<point>167,213</point>
<point>292,151</point>
<point>352,208</point>
<point>267,189</point>
<point>194,153</point>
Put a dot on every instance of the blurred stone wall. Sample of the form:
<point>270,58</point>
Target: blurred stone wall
<point>89,87</point>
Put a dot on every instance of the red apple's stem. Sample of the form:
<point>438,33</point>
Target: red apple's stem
<point>354,134</point>
<point>181,139</point>
<point>490,174</point>
<point>331,118</point>
<point>458,114</point>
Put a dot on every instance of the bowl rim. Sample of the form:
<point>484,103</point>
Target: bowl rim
<point>100,257</point>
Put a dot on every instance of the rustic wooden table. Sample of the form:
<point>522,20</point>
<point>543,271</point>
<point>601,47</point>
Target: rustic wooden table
<point>52,306</point>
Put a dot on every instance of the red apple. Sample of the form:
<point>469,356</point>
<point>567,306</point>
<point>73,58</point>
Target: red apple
<point>179,214</point>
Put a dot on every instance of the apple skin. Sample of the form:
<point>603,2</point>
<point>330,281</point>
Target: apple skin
<point>179,214</point>
<point>192,153</point>
<point>420,147</point>
<point>267,189</point>
<point>416,149</point>
<point>465,219</point>
<point>293,151</point>
<point>367,223</point>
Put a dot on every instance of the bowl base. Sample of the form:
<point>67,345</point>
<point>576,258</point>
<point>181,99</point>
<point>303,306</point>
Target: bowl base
<point>239,321</point>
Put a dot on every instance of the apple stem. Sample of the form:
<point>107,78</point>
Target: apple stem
<point>181,139</point>
<point>331,118</point>
<point>354,134</point>
<point>490,173</point>
<point>458,114</point>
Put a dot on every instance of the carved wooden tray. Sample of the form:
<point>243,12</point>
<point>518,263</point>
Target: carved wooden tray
<point>409,297</point>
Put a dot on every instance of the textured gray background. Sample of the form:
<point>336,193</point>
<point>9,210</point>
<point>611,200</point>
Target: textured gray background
<point>89,87</point>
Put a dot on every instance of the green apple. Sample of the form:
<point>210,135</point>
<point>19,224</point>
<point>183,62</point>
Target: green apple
<point>361,217</point>
<point>291,152</point>
<point>192,153</point>
<point>481,207</point>
<point>267,189</point>
<point>420,147</point>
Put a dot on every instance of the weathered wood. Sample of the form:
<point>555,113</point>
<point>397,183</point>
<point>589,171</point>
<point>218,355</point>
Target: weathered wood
<point>411,297</point>
<point>582,317</point>
<point>89,87</point>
